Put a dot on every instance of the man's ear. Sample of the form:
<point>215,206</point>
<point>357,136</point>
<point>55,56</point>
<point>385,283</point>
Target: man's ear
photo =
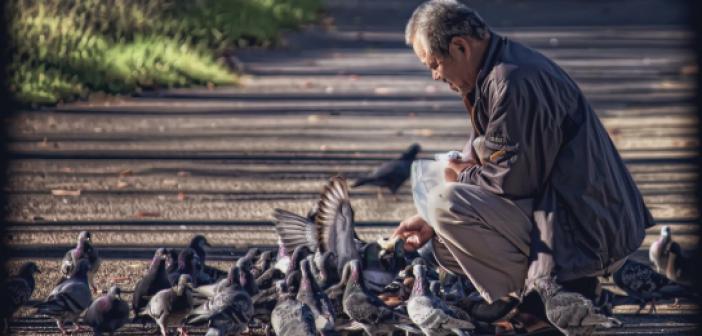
<point>459,44</point>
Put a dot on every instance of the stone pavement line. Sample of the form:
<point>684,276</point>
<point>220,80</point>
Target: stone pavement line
<point>338,102</point>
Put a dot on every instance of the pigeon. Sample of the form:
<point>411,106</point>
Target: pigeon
<point>282,261</point>
<point>336,224</point>
<point>291,317</point>
<point>570,312</point>
<point>247,281</point>
<point>228,312</point>
<point>391,174</point>
<point>300,253</point>
<point>16,291</point>
<point>429,312</point>
<point>107,313</point>
<point>375,275</point>
<point>268,278</point>
<point>331,229</point>
<point>189,263</point>
<point>311,295</point>
<point>83,250</point>
<point>154,280</point>
<point>70,298</point>
<point>679,268</point>
<point>335,293</point>
<point>209,291</point>
<point>327,273</point>
<point>643,284</point>
<point>295,230</point>
<point>659,250</point>
<point>198,244</point>
<point>263,263</point>
<point>171,260</point>
<point>170,306</point>
<point>366,309</point>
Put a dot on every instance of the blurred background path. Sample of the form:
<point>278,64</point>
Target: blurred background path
<point>154,170</point>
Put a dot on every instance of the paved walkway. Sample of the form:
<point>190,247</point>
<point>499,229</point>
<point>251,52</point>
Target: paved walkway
<point>156,169</point>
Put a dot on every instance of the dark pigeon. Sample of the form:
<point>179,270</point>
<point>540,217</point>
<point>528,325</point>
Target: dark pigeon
<point>107,313</point>
<point>70,298</point>
<point>16,291</point>
<point>391,174</point>
<point>154,280</point>
<point>170,306</point>
<point>429,312</point>
<point>375,275</point>
<point>83,250</point>
<point>189,263</point>
<point>365,308</point>
<point>643,284</point>
<point>291,317</point>
<point>327,273</point>
<point>198,244</point>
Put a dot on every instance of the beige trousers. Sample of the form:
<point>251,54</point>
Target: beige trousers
<point>482,235</point>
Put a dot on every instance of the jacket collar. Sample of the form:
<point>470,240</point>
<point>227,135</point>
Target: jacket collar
<point>491,58</point>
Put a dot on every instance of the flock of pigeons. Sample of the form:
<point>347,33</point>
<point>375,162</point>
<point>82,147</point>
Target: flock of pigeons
<point>323,280</point>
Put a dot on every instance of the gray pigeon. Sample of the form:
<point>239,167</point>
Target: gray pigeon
<point>228,312</point>
<point>291,317</point>
<point>70,298</point>
<point>311,295</point>
<point>16,291</point>
<point>107,313</point>
<point>366,309</point>
<point>658,252</point>
<point>231,281</point>
<point>170,306</point>
<point>332,228</point>
<point>645,285</point>
<point>327,273</point>
<point>571,313</point>
<point>429,312</point>
<point>391,174</point>
<point>335,220</point>
<point>154,280</point>
<point>83,250</point>
<point>263,263</point>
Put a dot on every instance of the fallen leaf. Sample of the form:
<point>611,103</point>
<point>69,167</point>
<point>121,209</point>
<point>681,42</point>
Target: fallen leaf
<point>181,196</point>
<point>143,214</point>
<point>689,70</point>
<point>126,172</point>
<point>383,90</point>
<point>122,184</point>
<point>170,183</point>
<point>313,118</point>
<point>44,143</point>
<point>64,192</point>
<point>426,132</point>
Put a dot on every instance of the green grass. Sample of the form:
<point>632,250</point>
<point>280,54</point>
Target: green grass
<point>65,49</point>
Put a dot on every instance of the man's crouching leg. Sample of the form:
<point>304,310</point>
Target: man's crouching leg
<point>487,237</point>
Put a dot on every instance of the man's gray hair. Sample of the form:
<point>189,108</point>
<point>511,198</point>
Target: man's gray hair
<point>436,22</point>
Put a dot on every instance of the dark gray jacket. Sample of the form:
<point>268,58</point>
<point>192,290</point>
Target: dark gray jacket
<point>540,139</point>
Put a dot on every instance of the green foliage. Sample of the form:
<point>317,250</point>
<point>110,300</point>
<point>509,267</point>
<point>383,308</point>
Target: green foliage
<point>62,49</point>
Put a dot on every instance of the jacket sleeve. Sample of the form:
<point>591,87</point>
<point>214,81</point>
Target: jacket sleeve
<point>521,139</point>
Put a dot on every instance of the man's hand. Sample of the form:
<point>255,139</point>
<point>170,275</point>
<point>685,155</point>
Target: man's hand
<point>454,168</point>
<point>415,231</point>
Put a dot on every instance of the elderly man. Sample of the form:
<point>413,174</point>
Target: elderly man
<point>542,201</point>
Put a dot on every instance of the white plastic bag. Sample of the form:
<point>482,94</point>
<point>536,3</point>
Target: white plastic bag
<point>426,176</point>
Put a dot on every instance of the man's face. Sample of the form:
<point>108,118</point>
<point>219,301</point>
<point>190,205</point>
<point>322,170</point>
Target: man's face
<point>454,69</point>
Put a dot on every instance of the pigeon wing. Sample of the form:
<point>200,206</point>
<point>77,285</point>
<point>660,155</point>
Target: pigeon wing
<point>335,222</point>
<point>295,230</point>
